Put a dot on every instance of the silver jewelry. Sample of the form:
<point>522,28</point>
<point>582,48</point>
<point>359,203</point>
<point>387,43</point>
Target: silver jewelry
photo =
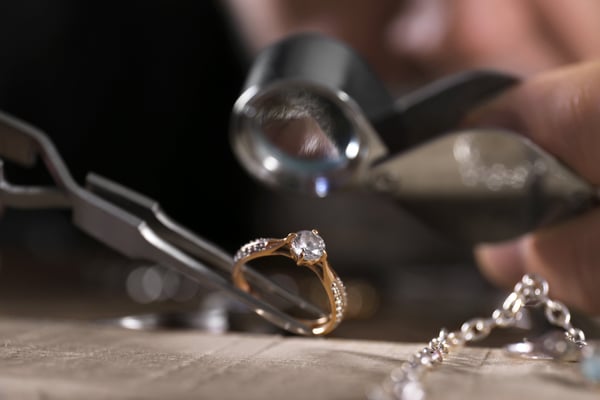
<point>407,381</point>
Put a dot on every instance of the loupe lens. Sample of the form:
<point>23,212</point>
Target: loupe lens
<point>302,125</point>
<point>297,137</point>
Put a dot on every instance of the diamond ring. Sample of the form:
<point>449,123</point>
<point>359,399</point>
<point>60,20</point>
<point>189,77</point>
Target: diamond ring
<point>307,249</point>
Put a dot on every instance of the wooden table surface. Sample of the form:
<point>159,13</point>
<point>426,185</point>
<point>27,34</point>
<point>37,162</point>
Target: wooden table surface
<point>49,359</point>
<point>54,346</point>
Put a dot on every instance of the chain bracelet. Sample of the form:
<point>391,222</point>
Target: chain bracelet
<point>406,381</point>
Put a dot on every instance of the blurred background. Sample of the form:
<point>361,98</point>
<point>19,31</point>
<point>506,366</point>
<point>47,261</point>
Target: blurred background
<point>141,93</point>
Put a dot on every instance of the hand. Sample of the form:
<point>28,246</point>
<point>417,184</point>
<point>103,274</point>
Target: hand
<point>408,41</point>
<point>518,36</point>
<point>560,111</point>
<point>417,40</point>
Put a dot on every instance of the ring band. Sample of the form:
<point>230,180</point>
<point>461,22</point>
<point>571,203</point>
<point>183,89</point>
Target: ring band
<point>307,249</point>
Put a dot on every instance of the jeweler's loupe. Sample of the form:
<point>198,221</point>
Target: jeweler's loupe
<point>312,116</point>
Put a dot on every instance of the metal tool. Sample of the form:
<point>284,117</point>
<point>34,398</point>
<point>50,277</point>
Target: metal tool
<point>131,223</point>
<point>313,118</point>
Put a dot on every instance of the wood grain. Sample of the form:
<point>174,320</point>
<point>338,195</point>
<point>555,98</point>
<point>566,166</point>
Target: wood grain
<point>81,360</point>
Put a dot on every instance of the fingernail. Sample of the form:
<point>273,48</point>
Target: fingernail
<point>502,263</point>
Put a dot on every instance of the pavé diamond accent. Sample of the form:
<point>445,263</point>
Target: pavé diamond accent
<point>308,246</point>
<point>251,247</point>
<point>341,298</point>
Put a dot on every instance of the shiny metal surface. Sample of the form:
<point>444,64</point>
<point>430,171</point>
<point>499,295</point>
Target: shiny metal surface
<point>314,119</point>
<point>482,185</point>
<point>310,91</point>
<point>130,223</point>
<point>553,345</point>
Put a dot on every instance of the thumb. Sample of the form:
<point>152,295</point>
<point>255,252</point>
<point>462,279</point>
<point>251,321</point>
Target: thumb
<point>567,255</point>
<point>560,112</point>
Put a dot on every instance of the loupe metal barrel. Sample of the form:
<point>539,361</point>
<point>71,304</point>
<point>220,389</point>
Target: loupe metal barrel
<point>301,121</point>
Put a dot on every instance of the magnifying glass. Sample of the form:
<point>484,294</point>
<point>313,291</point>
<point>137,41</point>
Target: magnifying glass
<point>312,117</point>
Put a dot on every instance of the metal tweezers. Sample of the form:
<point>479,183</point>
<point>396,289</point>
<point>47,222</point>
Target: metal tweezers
<point>132,224</point>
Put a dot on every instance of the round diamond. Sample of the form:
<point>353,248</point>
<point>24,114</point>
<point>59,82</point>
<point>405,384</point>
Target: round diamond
<point>308,245</point>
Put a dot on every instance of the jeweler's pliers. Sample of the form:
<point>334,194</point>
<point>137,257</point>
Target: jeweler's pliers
<point>130,223</point>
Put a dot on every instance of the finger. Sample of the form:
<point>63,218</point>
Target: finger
<point>567,255</point>
<point>499,34</point>
<point>559,111</point>
<point>573,25</point>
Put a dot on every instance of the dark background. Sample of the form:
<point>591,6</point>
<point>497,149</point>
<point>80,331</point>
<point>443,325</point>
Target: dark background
<point>141,93</point>
<point>137,91</point>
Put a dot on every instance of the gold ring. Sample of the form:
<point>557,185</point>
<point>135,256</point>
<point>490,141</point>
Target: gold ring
<point>307,249</point>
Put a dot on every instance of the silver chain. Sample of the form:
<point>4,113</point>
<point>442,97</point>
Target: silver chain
<point>406,381</point>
